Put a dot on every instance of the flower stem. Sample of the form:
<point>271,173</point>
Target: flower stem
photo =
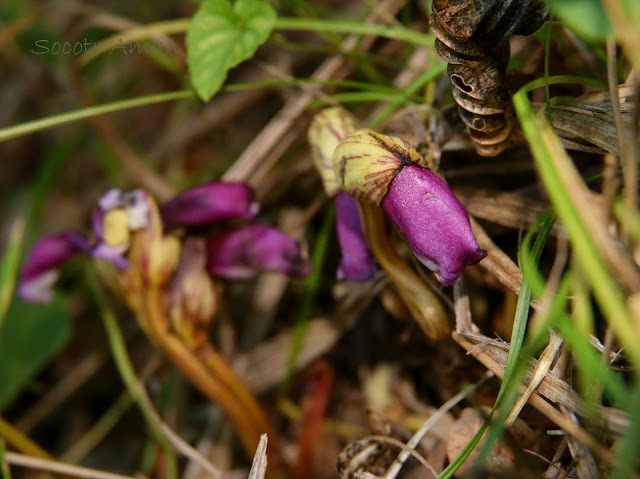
<point>210,373</point>
<point>424,305</point>
<point>121,358</point>
<point>354,27</point>
<point>22,443</point>
<point>82,113</point>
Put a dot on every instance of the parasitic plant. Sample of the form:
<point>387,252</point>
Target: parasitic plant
<point>150,257</point>
<point>383,172</point>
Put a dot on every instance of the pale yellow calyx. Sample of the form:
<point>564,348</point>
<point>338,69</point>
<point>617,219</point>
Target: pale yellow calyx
<point>328,128</point>
<point>163,257</point>
<point>365,162</point>
<point>115,228</point>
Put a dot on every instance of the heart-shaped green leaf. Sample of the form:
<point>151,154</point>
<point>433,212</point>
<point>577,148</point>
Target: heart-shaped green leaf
<point>220,36</point>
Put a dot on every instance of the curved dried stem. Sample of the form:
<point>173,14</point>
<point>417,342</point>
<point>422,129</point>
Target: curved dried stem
<point>423,303</point>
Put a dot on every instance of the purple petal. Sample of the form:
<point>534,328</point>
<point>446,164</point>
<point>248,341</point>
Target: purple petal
<point>433,221</point>
<point>40,271</point>
<point>242,252</point>
<point>96,223</point>
<point>208,203</point>
<point>115,255</point>
<point>113,198</point>
<point>357,263</point>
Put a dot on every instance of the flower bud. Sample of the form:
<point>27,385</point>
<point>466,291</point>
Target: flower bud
<point>162,260</point>
<point>40,271</point>
<point>433,221</point>
<point>193,296</point>
<point>242,252</point>
<point>153,254</point>
<point>357,263</point>
<point>328,128</point>
<point>365,162</point>
<point>390,173</point>
<point>208,203</point>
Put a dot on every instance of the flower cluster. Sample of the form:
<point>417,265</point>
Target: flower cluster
<point>157,245</point>
<point>390,173</point>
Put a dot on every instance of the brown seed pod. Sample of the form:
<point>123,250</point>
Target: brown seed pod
<point>472,37</point>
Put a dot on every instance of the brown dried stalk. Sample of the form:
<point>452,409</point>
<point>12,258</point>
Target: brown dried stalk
<point>536,400</point>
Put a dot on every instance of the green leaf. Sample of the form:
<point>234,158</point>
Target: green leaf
<point>221,36</point>
<point>586,18</point>
<point>30,336</point>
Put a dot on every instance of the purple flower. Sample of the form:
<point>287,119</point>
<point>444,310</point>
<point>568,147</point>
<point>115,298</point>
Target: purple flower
<point>246,250</point>
<point>207,203</point>
<point>357,263</point>
<point>118,213</point>
<point>433,221</point>
<point>40,271</point>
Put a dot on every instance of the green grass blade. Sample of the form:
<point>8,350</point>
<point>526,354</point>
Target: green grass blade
<point>312,285</point>
<point>548,152</point>
<point>10,266</point>
<point>353,27</point>
<point>127,373</point>
<point>422,80</point>
<point>397,98</point>
<point>629,445</point>
<point>560,80</point>
<point>5,473</point>
<point>516,361</point>
<point>510,376</point>
<point>83,113</point>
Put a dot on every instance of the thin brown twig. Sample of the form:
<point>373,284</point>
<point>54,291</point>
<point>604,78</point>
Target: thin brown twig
<point>545,361</point>
<point>187,450</point>
<point>16,459</point>
<point>73,380</point>
<point>540,403</point>
<point>405,449</point>
<point>627,160</point>
<point>393,471</point>
<point>499,264</point>
<point>259,465</point>
<point>131,163</point>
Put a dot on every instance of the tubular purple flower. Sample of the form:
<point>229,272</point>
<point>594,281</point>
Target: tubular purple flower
<point>433,221</point>
<point>40,271</point>
<point>246,250</point>
<point>207,203</point>
<point>357,263</point>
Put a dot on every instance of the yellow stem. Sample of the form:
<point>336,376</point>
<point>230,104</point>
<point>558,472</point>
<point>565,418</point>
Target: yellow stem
<point>221,369</point>
<point>215,379</point>
<point>22,443</point>
<point>424,305</point>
